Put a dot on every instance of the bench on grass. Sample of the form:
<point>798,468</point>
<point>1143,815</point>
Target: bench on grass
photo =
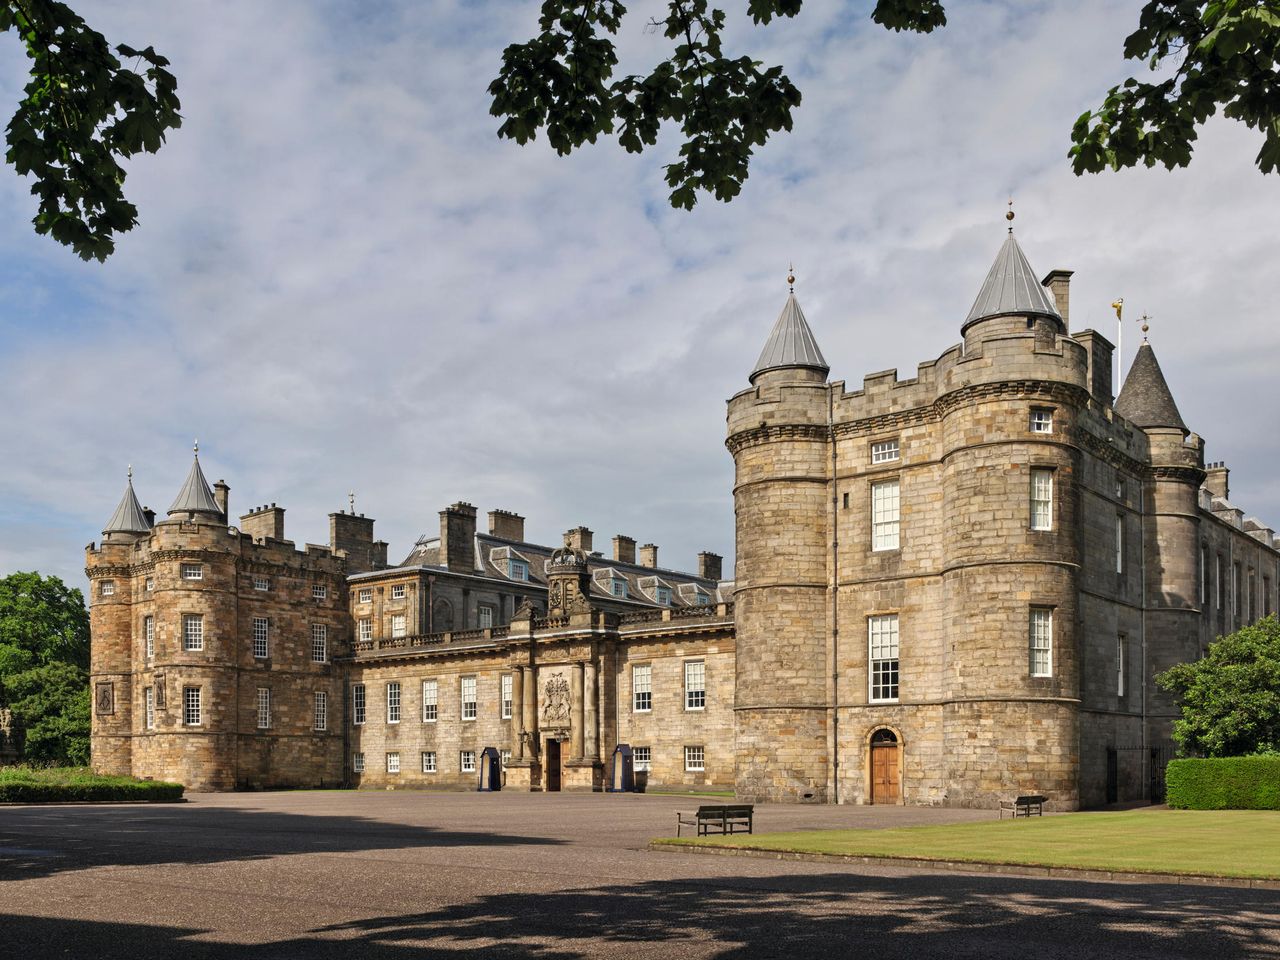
<point>1024,806</point>
<point>717,818</point>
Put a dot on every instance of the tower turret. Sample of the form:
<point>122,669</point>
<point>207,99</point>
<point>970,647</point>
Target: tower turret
<point>779,436</point>
<point>1011,300</point>
<point>196,496</point>
<point>129,521</point>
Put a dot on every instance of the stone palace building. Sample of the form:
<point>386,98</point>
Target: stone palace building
<point>948,589</point>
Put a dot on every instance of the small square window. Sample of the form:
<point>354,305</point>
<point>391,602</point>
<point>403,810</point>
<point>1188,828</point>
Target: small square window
<point>366,595</point>
<point>885,451</point>
<point>695,759</point>
<point>517,570</point>
<point>319,591</point>
<point>640,757</point>
<point>397,591</point>
<point>357,763</point>
<point>662,595</point>
<point>1041,421</point>
<point>192,571</point>
<point>393,763</point>
<point>467,761</point>
<point>428,761</point>
<point>262,583</point>
<point>108,588</point>
<point>618,588</point>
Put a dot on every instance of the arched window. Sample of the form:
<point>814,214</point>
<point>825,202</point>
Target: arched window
<point>442,616</point>
<point>884,736</point>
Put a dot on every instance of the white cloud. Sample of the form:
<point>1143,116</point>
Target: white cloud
<point>342,279</point>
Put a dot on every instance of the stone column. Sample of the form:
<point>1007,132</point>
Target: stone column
<point>575,722</point>
<point>591,728</point>
<point>517,714</point>
<point>531,709</point>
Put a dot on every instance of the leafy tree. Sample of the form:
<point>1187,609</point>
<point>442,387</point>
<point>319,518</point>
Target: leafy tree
<point>44,659</point>
<point>1220,54</point>
<point>82,112</point>
<point>1231,698</point>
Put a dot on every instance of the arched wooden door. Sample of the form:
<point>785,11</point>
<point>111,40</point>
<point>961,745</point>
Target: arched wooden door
<point>886,784</point>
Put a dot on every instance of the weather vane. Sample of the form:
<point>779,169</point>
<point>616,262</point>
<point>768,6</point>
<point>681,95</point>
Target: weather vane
<point>791,277</point>
<point>1009,216</point>
<point>1146,325</point>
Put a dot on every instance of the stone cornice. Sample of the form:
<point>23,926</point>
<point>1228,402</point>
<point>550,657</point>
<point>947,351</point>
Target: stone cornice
<point>774,432</point>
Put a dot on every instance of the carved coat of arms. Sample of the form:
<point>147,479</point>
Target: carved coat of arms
<point>556,711</point>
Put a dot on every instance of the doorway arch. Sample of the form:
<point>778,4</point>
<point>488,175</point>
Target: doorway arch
<point>884,765</point>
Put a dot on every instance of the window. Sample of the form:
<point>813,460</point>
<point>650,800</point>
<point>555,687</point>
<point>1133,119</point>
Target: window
<point>517,570</point>
<point>357,704</point>
<point>885,451</point>
<point>264,708</point>
<point>695,758</point>
<point>1119,544</point>
<point>662,595</point>
<point>884,515</point>
<point>364,629</point>
<point>1218,581</point>
<point>701,599</point>
<point>846,501</point>
<point>393,763</point>
<point>192,631</point>
<point>260,629</point>
<point>319,642</point>
<point>397,591</point>
<point>393,702</point>
<point>640,757</point>
<point>150,584</point>
<point>1266,596</point>
<point>1120,658</point>
<point>484,616</point>
<point>398,625</point>
<point>319,591</point>
<point>618,588</point>
<point>1204,575</point>
<point>357,763</point>
<point>504,758</point>
<point>1235,589</point>
<point>642,687</point>
<point>430,700</point>
<point>149,703</point>
<point>261,583</point>
<point>149,635</point>
<point>1041,642</point>
<point>1119,487</point>
<point>1041,499</point>
<point>107,588</point>
<point>507,701</point>
<point>192,571</point>
<point>320,711</point>
<point>366,595</point>
<point>191,706</point>
<point>882,638</point>
<point>467,761</point>
<point>468,698</point>
<point>428,761</point>
<point>1253,597</point>
<point>1041,421</point>
<point>695,684</point>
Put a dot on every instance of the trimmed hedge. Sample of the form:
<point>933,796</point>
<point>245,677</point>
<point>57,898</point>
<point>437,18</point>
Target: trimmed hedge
<point>1224,783</point>
<point>63,785</point>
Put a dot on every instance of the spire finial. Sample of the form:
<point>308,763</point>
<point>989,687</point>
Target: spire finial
<point>351,500</point>
<point>131,473</point>
<point>195,446</point>
<point>791,278</point>
<point>1009,216</point>
<point>1146,325</point>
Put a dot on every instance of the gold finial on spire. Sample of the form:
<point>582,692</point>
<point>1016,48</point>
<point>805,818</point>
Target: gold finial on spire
<point>791,277</point>
<point>1009,216</point>
<point>1146,325</point>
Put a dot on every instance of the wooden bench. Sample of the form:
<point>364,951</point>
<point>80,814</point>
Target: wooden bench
<point>717,818</point>
<point>1024,806</point>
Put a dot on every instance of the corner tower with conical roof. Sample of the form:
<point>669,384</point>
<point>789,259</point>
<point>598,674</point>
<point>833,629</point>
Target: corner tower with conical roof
<point>779,436</point>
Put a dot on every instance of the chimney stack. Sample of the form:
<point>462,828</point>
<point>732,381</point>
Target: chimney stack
<point>507,525</point>
<point>263,523</point>
<point>1215,481</point>
<point>624,549</point>
<point>1059,283</point>
<point>649,555</point>
<point>458,537</point>
<point>221,495</point>
<point>710,565</point>
<point>579,538</point>
<point>351,536</point>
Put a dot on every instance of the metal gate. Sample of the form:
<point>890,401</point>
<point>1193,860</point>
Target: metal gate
<point>1156,758</point>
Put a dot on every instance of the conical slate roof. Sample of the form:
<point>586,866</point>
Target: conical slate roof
<point>1011,287</point>
<point>1145,400</point>
<point>791,344</point>
<point>195,495</point>
<point>128,517</point>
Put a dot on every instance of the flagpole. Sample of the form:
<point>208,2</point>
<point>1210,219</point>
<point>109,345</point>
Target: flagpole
<point>1119,308</point>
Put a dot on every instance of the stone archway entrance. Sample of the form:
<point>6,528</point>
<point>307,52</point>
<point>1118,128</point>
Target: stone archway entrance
<point>886,767</point>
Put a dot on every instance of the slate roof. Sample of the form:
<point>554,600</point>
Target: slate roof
<point>128,517</point>
<point>1145,399</point>
<point>195,495</point>
<point>1011,287</point>
<point>791,344</point>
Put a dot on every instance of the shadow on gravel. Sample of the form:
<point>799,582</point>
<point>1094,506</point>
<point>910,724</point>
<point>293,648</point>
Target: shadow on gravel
<point>745,918</point>
<point>80,837</point>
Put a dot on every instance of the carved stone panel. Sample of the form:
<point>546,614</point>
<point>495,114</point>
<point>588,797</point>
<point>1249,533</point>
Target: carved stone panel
<point>555,709</point>
<point>104,698</point>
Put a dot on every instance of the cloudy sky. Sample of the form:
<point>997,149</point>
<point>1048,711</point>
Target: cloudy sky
<point>343,280</point>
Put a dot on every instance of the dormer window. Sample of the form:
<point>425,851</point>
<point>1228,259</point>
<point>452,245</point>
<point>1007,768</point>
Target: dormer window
<point>701,599</point>
<point>518,570</point>
<point>662,595</point>
<point>884,451</point>
<point>1041,421</point>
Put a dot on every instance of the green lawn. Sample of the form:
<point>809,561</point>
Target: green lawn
<point>1226,843</point>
